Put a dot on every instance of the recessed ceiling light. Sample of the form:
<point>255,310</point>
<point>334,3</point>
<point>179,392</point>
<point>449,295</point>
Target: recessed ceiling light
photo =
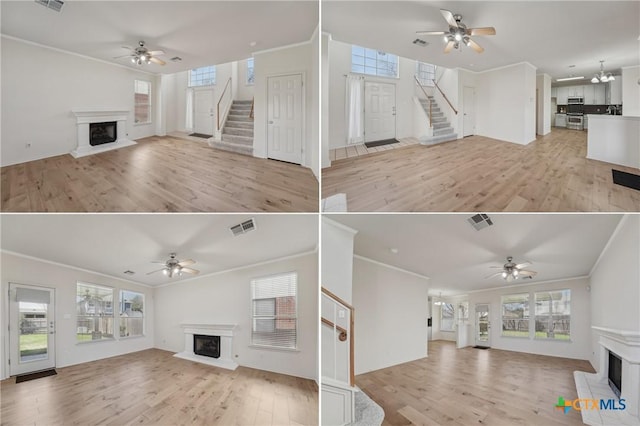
<point>572,66</point>
<point>252,44</point>
<point>393,250</point>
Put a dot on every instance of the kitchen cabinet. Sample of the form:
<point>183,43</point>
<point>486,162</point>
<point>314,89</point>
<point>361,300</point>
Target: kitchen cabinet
<point>599,94</point>
<point>563,93</point>
<point>615,91</point>
<point>561,120</point>
<point>589,94</point>
<point>575,91</point>
<point>585,122</point>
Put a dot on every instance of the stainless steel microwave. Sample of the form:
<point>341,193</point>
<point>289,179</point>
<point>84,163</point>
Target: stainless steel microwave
<point>575,100</point>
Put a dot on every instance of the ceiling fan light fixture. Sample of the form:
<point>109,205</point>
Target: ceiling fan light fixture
<point>457,36</point>
<point>610,77</point>
<point>595,79</point>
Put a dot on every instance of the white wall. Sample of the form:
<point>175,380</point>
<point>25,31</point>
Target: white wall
<point>226,299</point>
<point>506,103</point>
<point>244,91</point>
<point>631,91</point>
<point>578,348</point>
<point>295,59</point>
<point>314,106</point>
<point>324,63</point>
<point>615,284</point>
<point>337,258</point>
<point>40,87</point>
<point>21,270</point>
<point>339,58</point>
<point>543,91</point>
<point>390,316</point>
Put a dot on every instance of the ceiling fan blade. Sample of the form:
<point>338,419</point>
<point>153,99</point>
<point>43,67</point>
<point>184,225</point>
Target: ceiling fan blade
<point>431,32</point>
<point>156,52</point>
<point>449,47</point>
<point>528,273</point>
<point>475,46</point>
<point>153,272</point>
<point>493,275</point>
<point>523,264</point>
<point>190,271</point>
<point>481,31</point>
<point>157,61</point>
<point>448,16</point>
<point>186,262</point>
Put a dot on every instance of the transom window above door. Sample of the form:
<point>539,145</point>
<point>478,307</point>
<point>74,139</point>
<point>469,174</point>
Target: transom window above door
<point>203,76</point>
<point>373,62</point>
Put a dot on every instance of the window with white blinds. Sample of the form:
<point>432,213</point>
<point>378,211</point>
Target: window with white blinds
<point>274,301</point>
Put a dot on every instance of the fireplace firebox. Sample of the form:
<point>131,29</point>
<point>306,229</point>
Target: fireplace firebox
<point>101,133</point>
<point>206,345</point>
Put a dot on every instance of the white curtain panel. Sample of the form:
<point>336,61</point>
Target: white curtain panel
<point>355,127</point>
<point>188,123</point>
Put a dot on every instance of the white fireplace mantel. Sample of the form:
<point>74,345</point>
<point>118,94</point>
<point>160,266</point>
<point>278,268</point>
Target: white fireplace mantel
<point>225,331</point>
<point>625,344</point>
<point>86,116</point>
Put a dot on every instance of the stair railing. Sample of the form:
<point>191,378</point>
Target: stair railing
<point>253,100</point>
<point>343,334</point>
<point>226,99</point>
<point>445,97</point>
<point>427,96</point>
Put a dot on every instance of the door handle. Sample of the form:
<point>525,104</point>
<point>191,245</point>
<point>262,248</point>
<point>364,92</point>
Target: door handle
<point>270,122</point>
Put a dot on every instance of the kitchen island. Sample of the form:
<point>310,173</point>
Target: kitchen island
<point>614,139</point>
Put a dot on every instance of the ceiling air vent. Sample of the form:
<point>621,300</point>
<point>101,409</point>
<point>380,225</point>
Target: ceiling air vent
<point>176,59</point>
<point>480,221</point>
<point>243,228</point>
<point>129,272</point>
<point>419,42</point>
<point>51,4</point>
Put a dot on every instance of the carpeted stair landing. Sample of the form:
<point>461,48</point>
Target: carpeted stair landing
<point>368,413</point>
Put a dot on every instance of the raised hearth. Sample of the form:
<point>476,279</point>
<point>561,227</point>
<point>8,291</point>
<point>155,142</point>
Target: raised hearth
<point>225,349</point>
<point>85,117</point>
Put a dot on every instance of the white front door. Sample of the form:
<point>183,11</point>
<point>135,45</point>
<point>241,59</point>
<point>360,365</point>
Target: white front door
<point>469,111</point>
<point>203,112</point>
<point>285,110</point>
<point>483,326</point>
<point>379,111</point>
<point>31,328</point>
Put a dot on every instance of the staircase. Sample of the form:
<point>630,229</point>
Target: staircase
<point>442,130</point>
<point>237,133</point>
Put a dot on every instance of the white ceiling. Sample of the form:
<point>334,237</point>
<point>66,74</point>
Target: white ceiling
<point>456,257</point>
<point>200,32</point>
<point>111,244</point>
<point>551,35</point>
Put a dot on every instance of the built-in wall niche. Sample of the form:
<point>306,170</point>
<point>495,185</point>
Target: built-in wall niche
<point>619,367</point>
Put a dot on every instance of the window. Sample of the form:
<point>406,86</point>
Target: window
<point>426,73</point>
<point>463,311</point>
<point>447,317</point>
<point>553,315</point>
<point>274,311</point>
<point>203,76</point>
<point>142,102</point>
<point>94,309</point>
<point>515,315</point>
<point>373,62</point>
<point>250,73</point>
<point>131,313</point>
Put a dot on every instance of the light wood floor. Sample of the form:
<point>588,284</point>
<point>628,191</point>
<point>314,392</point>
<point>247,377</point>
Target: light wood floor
<point>152,387</point>
<point>471,386</point>
<point>159,174</point>
<point>482,174</point>
<point>361,149</point>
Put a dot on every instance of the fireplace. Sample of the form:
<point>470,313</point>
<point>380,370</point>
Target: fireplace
<point>210,344</point>
<point>100,130</point>
<point>206,345</point>
<point>615,373</point>
<point>100,133</point>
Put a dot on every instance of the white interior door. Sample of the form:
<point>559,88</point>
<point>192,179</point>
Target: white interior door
<point>285,110</point>
<point>483,326</point>
<point>469,111</point>
<point>379,111</point>
<point>31,328</point>
<point>203,112</point>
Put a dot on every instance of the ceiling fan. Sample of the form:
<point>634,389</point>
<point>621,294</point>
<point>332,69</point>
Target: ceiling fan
<point>141,55</point>
<point>459,33</point>
<point>174,266</point>
<point>512,271</point>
